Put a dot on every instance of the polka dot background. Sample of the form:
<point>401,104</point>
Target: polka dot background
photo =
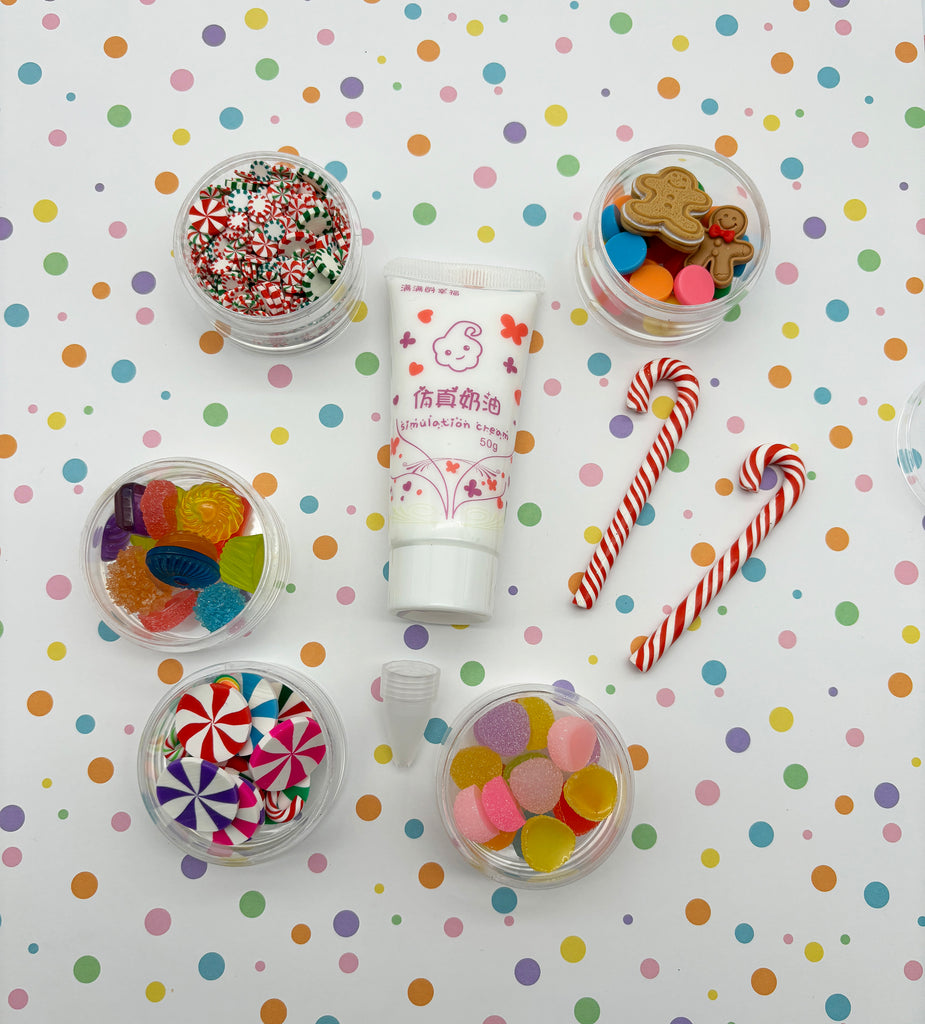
<point>772,869</point>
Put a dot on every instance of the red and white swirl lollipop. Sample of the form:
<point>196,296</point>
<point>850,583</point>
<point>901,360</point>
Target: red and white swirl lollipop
<point>213,721</point>
<point>288,754</point>
<point>249,818</point>
<point>281,808</point>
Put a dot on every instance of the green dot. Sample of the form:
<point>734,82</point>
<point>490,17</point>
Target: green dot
<point>87,969</point>
<point>252,903</point>
<point>267,69</point>
<point>502,18</point>
<point>799,112</point>
<point>62,814</point>
<point>290,588</point>
<point>55,263</point>
<point>678,461</point>
<point>396,919</point>
<point>845,939</point>
<point>215,414</point>
<point>733,314</point>
<point>396,86</point>
<point>568,165</point>
<point>796,776</point>
<point>846,612</point>
<point>721,610</point>
<point>587,1010</point>
<point>868,259</point>
<point>529,513</point>
<point>367,363</point>
<point>118,116</point>
<point>644,837</point>
<point>472,673</point>
<point>915,117</point>
<point>610,689</point>
<point>88,410</point>
<point>810,474</point>
<point>424,213</point>
<point>621,23</point>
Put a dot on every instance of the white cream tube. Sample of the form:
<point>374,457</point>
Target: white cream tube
<point>460,337</point>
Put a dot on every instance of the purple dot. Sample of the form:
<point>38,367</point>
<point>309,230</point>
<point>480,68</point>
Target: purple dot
<point>621,426</point>
<point>346,923</point>
<point>99,186</point>
<point>904,186</point>
<point>839,3</point>
<point>814,227</point>
<point>833,691</point>
<point>886,795</point>
<point>514,131</point>
<point>416,637</point>
<point>564,685</point>
<point>11,817</point>
<point>213,35</point>
<point>737,740</point>
<point>351,88</point>
<point>143,282</point>
<point>681,1020</point>
<point>527,971</point>
<point>192,867</point>
<point>6,228</point>
<point>627,918</point>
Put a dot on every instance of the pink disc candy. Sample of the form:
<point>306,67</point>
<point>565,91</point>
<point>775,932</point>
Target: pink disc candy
<point>500,806</point>
<point>213,721</point>
<point>198,794</point>
<point>536,784</point>
<point>249,818</point>
<point>287,754</point>
<point>505,729</point>
<point>694,285</point>
<point>471,820</point>
<point>571,742</point>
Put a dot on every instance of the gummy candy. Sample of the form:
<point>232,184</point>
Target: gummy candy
<point>537,784</point>
<point>546,843</point>
<point>474,766</point>
<point>591,792</point>
<point>177,609</point>
<point>131,585</point>
<point>505,728</point>
<point>501,841</point>
<point>541,718</point>
<point>128,514</point>
<point>212,510</point>
<point>571,741</point>
<point>470,816</point>
<point>114,539</point>
<point>182,567</point>
<point>182,539</point>
<point>217,605</point>
<point>500,806</point>
<point>575,821</point>
<point>159,507</point>
<point>241,561</point>
<point>509,766</point>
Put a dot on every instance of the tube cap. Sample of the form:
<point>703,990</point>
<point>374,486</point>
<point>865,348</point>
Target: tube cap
<point>408,690</point>
<point>447,584</point>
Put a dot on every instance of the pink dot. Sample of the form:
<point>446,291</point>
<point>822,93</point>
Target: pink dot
<point>23,494</point>
<point>624,133</point>
<point>58,587</point>
<point>376,689</point>
<point>62,317</point>
<point>368,236</point>
<point>718,691</point>
<point>354,119</point>
<point>706,792</point>
<point>346,595</point>
<point>129,730</point>
<point>788,939</point>
<point>151,438</point>
<point>555,304</point>
<point>351,510</point>
<point>145,316</point>
<point>485,177</point>
<point>735,424</point>
<point>117,229</point>
<point>448,94</point>
<point>274,119</point>
<point>497,90</point>
<point>375,417</point>
<point>533,635</point>
<point>862,400</point>
<point>665,698</point>
<point>920,226</point>
<point>33,409</point>
<point>181,79</point>
<point>768,26</point>
<point>879,310</point>
<point>748,112</point>
<point>892,833</point>
<point>325,37</point>
<point>906,572</point>
<point>913,970</point>
<point>78,488</point>
<point>860,139</point>
<point>157,921</point>
<point>807,833</point>
<point>563,45</point>
<point>854,737</point>
<point>842,27</point>
<point>12,856</point>
<point>57,137</point>
<point>508,920</point>
<point>317,863</point>
<point>687,514</point>
<point>121,821</point>
<point>603,382</point>
<point>453,927</point>
<point>590,474</point>
<point>260,966</point>
<point>51,21</point>
<point>452,17</point>
<point>552,387</point>
<point>786,273</point>
<point>18,998</point>
<point>348,963</point>
<point>863,482</point>
<point>797,185</point>
<point>279,376</point>
<point>649,968</point>
<point>787,639</point>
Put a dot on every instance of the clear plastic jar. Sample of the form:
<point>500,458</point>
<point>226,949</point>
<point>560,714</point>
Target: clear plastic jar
<point>910,441</point>
<point>311,325</point>
<point>615,302</point>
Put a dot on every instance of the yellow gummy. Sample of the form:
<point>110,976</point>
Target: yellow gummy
<point>474,766</point>
<point>541,718</point>
<point>591,792</point>
<point>546,843</point>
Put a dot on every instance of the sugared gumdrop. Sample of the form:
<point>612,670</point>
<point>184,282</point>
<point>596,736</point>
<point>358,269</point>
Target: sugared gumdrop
<point>159,507</point>
<point>470,817</point>
<point>505,728</point>
<point>176,610</point>
<point>474,766</point>
<point>500,806</point>
<point>217,605</point>
<point>541,718</point>
<point>131,586</point>
<point>571,740</point>
<point>572,818</point>
<point>536,784</point>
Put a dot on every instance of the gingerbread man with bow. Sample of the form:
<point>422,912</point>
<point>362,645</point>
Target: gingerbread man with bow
<point>723,246</point>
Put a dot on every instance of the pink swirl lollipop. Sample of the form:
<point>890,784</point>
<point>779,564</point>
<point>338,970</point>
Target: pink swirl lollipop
<point>213,721</point>
<point>288,754</point>
<point>249,818</point>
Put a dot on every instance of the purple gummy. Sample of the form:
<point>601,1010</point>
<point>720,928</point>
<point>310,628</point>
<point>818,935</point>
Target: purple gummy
<point>114,539</point>
<point>218,604</point>
<point>504,729</point>
<point>128,508</point>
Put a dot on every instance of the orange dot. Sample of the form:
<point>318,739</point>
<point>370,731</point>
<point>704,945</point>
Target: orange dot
<point>782,63</point>
<point>726,145</point>
<point>536,341</point>
<point>900,684</point>
<point>73,355</point>
<point>419,145</point>
<point>115,46</point>
<point>288,149</point>
<point>100,290</point>
<point>431,875</point>
<point>636,643</point>
<point>914,285</point>
<point>906,52</point>
<point>383,456</point>
<point>836,538</point>
<point>764,981</point>
<point>368,807</point>
<point>313,654</point>
<point>668,88</point>
<point>39,703</point>
<point>844,804</point>
<point>703,554</point>
<point>166,183</point>
<point>895,349</point>
<point>84,885</point>
<point>801,5</point>
<point>7,3</point>
<point>265,484</point>
<point>840,437</point>
<point>273,1011</point>
<point>211,342</point>
<point>100,770</point>
<point>428,50</point>
<point>639,756</point>
<point>300,934</point>
<point>311,94</point>
<point>524,442</point>
<point>697,911</point>
<point>823,878</point>
<point>420,992</point>
<point>724,486</point>
<point>779,376</point>
<point>574,581</point>
<point>325,547</point>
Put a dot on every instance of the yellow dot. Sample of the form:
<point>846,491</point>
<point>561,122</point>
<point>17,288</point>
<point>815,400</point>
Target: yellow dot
<point>886,412</point>
<point>180,137</point>
<point>475,28</point>
<point>256,18</point>
<point>56,650</point>
<point>790,329</point>
<point>911,634</point>
<point>556,115</point>
<point>592,659</point>
<point>383,753</point>
<point>375,521</point>
<point>572,949</point>
<point>485,233</point>
<point>916,762</point>
<point>680,43</point>
<point>359,312</point>
<point>709,858</point>
<point>279,435</point>
<point>712,994</point>
<point>46,783</point>
<point>380,59</point>
<point>662,406</point>
<point>781,719</point>
<point>771,122</point>
<point>593,535</point>
<point>855,209</point>
<point>813,952</point>
<point>56,420</point>
<point>579,316</point>
<point>695,625</point>
<point>379,888</point>
<point>45,210</point>
<point>155,992</point>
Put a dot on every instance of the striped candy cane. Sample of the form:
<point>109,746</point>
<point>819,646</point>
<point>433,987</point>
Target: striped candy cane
<point>637,398</point>
<point>794,480</point>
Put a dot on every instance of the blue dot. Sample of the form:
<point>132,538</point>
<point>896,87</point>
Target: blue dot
<point>726,25</point>
<point>494,73</point>
<point>414,828</point>
<point>29,73</point>
<point>534,215</point>
<point>709,106</point>
<point>837,1007</point>
<point>876,895</point>
<point>231,118</point>
<point>504,900</point>
<point>326,1018</point>
<point>70,97</point>
<point>33,947</point>
<point>744,933</point>
<point>822,395</point>
<point>761,834</point>
<point>85,724</point>
<point>868,100</point>
<point>791,168</point>
<point>828,78</point>
<point>331,415</point>
<point>921,921</point>
<point>123,370</point>
<point>646,515</point>
<point>16,314</point>
<point>74,470</point>
<point>836,310</point>
<point>309,504</point>
<point>165,395</point>
<point>713,672</point>
<point>435,731</point>
<point>211,966</point>
<point>107,634</point>
<point>754,569</point>
<point>797,594</point>
<point>336,169</point>
<point>625,604</point>
<point>412,11</point>
<point>599,364</point>
<point>377,194</point>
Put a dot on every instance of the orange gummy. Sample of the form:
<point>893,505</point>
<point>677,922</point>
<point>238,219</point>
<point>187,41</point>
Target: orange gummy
<point>159,507</point>
<point>131,585</point>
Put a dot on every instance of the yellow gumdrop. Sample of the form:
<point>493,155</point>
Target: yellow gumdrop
<point>541,718</point>
<point>546,843</point>
<point>474,766</point>
<point>591,792</point>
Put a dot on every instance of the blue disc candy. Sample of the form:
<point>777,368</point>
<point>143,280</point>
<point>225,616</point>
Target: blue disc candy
<point>626,251</point>
<point>610,221</point>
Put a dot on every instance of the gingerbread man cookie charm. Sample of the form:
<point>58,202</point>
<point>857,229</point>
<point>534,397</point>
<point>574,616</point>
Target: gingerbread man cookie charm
<point>723,246</point>
<point>668,204</point>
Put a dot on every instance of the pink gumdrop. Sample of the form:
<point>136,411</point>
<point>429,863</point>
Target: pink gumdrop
<point>505,729</point>
<point>536,784</point>
<point>500,806</point>
<point>571,742</point>
<point>470,816</point>
<point>693,285</point>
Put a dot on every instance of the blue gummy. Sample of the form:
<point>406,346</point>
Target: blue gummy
<point>610,222</point>
<point>217,605</point>
<point>627,252</point>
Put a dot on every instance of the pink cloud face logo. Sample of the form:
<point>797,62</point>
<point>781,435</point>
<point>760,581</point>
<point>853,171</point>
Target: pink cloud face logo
<point>459,349</point>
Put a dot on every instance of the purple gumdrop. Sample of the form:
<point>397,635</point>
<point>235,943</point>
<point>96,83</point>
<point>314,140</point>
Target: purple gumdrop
<point>114,539</point>
<point>505,729</point>
<point>128,508</point>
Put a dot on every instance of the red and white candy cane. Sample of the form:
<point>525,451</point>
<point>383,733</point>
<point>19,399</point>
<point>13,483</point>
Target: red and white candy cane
<point>637,398</point>
<point>794,480</point>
